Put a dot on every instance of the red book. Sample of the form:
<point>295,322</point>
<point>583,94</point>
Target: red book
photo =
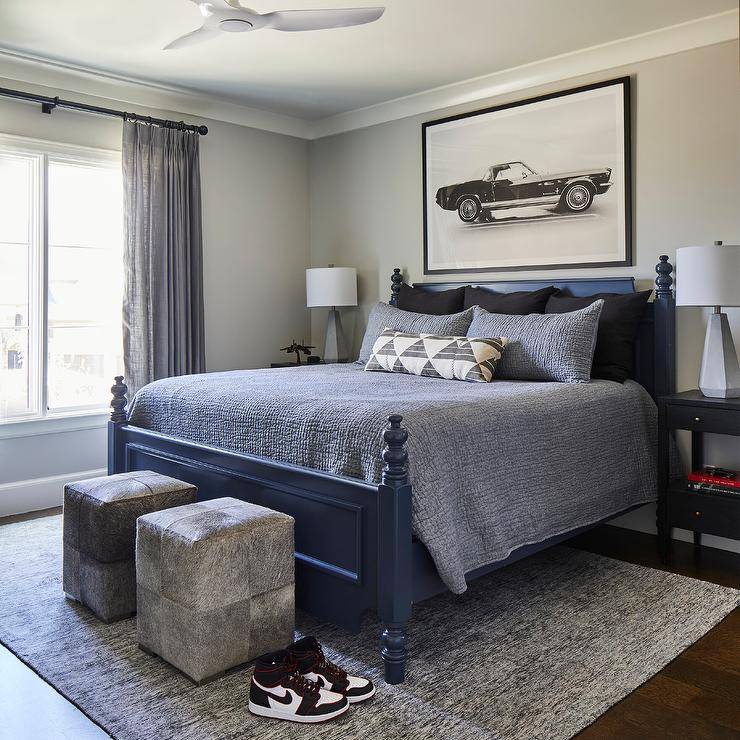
<point>717,480</point>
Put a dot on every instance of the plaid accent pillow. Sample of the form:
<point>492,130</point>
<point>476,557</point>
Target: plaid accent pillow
<point>454,358</point>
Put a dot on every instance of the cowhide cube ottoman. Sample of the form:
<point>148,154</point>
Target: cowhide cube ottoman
<point>100,533</point>
<point>215,585</point>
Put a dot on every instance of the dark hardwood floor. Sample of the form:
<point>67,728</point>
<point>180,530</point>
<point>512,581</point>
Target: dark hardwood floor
<point>30,708</point>
<point>697,695</point>
<point>30,515</point>
<point>694,697</point>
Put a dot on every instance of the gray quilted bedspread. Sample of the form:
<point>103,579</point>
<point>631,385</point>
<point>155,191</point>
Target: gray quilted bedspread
<point>493,466</point>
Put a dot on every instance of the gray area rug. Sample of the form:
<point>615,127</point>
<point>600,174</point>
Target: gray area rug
<point>537,650</point>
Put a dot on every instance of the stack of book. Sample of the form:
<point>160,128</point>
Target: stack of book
<point>711,479</point>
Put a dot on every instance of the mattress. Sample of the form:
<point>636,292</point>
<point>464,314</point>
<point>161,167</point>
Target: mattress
<point>494,466</point>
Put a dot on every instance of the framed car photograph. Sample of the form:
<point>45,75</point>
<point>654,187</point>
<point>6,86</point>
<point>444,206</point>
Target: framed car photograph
<point>542,183</point>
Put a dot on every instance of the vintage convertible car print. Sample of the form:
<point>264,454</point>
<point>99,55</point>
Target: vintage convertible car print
<point>516,185</point>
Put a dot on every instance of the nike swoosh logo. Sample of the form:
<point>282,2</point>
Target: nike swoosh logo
<point>324,682</point>
<point>289,699</point>
<point>291,706</point>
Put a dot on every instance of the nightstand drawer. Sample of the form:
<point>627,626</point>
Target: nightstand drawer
<point>711,514</point>
<point>718,421</point>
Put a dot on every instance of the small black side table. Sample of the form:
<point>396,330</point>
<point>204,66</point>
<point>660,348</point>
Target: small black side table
<point>698,511</point>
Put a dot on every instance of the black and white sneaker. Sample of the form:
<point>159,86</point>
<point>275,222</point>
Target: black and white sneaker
<point>278,690</point>
<point>314,666</point>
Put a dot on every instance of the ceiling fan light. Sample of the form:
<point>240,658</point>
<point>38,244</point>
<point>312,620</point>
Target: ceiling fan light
<point>235,25</point>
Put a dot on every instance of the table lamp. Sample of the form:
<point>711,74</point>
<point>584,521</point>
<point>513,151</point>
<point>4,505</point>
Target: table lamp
<point>710,276</point>
<point>332,286</point>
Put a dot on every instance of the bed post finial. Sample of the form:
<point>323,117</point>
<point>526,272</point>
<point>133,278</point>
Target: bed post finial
<point>394,550</point>
<point>116,428</point>
<point>396,280</point>
<point>664,281</point>
<point>395,458</point>
<point>118,404</point>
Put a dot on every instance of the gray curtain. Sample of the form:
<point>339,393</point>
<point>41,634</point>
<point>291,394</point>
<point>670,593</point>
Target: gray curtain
<point>163,332</point>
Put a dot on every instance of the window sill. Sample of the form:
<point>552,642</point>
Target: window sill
<point>54,424</point>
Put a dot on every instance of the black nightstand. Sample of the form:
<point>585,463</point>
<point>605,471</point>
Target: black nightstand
<point>700,512</point>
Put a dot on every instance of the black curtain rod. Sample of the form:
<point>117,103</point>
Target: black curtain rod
<point>48,104</point>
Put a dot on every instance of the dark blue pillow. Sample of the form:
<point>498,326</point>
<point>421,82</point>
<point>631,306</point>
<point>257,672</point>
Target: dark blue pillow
<point>519,303</point>
<point>439,303</point>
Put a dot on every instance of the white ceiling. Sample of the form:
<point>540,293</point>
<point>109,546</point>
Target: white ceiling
<point>415,46</point>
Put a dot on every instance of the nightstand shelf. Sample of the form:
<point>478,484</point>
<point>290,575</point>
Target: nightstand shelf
<point>701,512</point>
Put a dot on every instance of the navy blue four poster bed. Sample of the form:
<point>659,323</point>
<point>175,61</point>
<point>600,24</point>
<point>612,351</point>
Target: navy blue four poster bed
<point>354,546</point>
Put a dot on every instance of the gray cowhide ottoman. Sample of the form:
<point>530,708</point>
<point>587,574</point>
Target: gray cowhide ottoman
<point>100,532</point>
<point>215,585</point>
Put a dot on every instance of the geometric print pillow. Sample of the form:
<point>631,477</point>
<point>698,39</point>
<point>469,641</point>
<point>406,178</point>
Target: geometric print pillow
<point>455,358</point>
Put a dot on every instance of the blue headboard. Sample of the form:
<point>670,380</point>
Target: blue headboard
<point>655,351</point>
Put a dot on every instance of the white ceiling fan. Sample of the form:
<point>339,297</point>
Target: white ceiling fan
<point>231,16</point>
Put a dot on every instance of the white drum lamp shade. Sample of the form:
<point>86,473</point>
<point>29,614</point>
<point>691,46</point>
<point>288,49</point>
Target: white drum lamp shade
<point>710,276</point>
<point>331,286</point>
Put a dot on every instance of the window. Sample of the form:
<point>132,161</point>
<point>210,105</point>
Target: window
<point>61,278</point>
<point>515,171</point>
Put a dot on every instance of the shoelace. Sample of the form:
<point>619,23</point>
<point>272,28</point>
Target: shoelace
<point>298,682</point>
<point>337,674</point>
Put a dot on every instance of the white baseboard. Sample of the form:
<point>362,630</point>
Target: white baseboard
<point>35,494</point>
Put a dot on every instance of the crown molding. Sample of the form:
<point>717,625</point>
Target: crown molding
<point>85,81</point>
<point>693,34</point>
<point>79,80</point>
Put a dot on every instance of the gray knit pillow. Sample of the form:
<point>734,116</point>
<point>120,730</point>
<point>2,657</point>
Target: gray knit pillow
<point>384,316</point>
<point>541,348</point>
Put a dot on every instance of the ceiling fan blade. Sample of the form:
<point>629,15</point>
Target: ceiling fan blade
<point>316,20</point>
<point>190,39</point>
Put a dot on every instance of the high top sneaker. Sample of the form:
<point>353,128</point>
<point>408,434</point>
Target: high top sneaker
<point>313,665</point>
<point>278,690</point>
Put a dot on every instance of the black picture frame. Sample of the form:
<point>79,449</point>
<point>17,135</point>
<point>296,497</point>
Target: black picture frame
<point>628,256</point>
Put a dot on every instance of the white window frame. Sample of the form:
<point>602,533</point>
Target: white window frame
<point>43,421</point>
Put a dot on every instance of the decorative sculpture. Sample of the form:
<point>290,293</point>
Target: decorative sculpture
<point>298,348</point>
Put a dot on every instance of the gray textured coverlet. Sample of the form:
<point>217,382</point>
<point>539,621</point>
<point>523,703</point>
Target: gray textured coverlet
<point>494,466</point>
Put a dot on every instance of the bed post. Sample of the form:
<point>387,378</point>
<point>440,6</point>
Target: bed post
<point>394,550</point>
<point>116,463</point>
<point>665,382</point>
<point>396,280</point>
<point>665,330</point>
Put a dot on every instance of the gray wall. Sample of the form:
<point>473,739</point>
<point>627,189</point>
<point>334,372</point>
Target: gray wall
<point>256,248</point>
<point>365,211</point>
<point>366,198</point>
